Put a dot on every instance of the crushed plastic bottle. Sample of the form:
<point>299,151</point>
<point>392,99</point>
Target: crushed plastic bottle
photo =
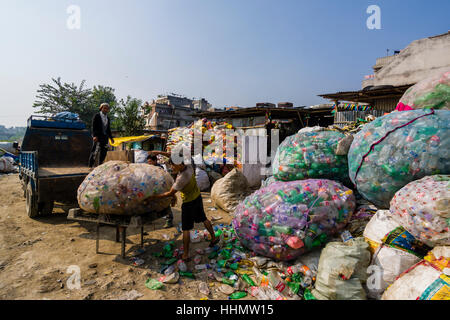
<point>203,288</point>
<point>181,266</point>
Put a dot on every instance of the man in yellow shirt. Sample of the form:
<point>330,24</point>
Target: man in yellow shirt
<point>192,208</point>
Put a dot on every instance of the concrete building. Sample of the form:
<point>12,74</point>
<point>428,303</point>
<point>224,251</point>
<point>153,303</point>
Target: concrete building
<point>171,111</point>
<point>393,75</point>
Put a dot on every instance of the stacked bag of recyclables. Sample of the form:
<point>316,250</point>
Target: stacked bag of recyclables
<point>429,279</point>
<point>396,149</point>
<point>432,92</point>
<point>393,249</point>
<point>342,271</point>
<point>311,153</point>
<point>401,237</point>
<point>118,187</point>
<point>286,219</point>
<point>423,208</point>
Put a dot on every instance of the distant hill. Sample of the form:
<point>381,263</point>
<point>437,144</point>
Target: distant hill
<point>12,134</point>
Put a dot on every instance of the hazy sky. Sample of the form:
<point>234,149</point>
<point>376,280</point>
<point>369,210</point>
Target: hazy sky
<point>232,52</point>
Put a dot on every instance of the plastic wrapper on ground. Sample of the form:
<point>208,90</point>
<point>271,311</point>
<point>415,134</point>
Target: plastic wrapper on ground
<point>286,219</point>
<point>396,149</point>
<point>118,187</point>
<point>310,154</point>
<point>423,208</point>
<point>432,92</point>
<point>427,280</point>
<point>342,271</point>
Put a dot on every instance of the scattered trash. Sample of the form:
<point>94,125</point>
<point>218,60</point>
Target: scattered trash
<point>131,295</point>
<point>203,288</point>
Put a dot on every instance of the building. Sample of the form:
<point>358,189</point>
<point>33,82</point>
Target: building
<point>171,111</point>
<point>393,75</point>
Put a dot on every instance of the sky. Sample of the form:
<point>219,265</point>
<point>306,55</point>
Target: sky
<point>231,52</point>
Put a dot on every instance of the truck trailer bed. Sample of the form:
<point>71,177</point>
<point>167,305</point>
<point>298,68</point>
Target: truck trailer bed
<point>47,172</point>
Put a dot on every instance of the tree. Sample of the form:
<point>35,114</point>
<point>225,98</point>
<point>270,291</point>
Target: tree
<point>101,94</point>
<point>129,118</point>
<point>58,97</point>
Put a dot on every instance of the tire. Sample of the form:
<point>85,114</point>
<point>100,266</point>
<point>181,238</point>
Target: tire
<point>32,206</point>
<point>45,208</point>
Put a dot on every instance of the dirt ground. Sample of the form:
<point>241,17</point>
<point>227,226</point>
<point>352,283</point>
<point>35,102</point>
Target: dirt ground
<point>38,256</point>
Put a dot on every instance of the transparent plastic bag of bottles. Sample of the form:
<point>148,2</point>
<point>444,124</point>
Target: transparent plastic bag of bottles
<point>286,219</point>
<point>307,155</point>
<point>398,152</point>
<point>432,92</point>
<point>118,187</point>
<point>423,208</point>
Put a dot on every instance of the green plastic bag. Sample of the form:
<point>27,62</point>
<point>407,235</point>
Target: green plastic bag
<point>153,284</point>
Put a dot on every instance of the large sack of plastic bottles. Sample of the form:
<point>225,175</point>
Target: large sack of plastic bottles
<point>286,219</point>
<point>423,208</point>
<point>396,149</point>
<point>118,187</point>
<point>432,92</point>
<point>426,280</point>
<point>394,250</point>
<point>309,155</point>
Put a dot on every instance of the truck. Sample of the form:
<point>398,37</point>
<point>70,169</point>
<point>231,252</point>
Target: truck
<point>53,162</point>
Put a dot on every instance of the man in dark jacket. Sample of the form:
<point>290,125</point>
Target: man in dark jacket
<point>101,132</point>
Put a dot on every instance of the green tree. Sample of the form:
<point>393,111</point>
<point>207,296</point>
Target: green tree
<point>129,118</point>
<point>58,97</point>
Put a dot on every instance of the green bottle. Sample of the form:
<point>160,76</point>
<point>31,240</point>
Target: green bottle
<point>237,295</point>
<point>186,274</point>
<point>308,295</point>
<point>248,280</point>
<point>228,281</point>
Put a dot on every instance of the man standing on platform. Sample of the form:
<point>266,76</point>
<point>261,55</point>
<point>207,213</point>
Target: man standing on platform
<point>101,132</point>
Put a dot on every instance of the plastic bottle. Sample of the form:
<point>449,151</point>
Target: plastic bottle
<point>169,270</point>
<point>181,266</point>
<point>202,266</point>
<point>203,288</point>
<point>187,274</point>
<point>248,280</point>
<point>237,295</point>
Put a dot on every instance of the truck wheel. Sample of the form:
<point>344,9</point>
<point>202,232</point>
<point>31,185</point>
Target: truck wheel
<point>32,207</point>
<point>46,208</point>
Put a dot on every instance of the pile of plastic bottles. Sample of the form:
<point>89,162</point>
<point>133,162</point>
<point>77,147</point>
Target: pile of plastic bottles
<point>286,219</point>
<point>310,155</point>
<point>118,187</point>
<point>214,147</point>
<point>234,270</point>
<point>398,148</point>
<point>422,207</point>
<point>433,92</point>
